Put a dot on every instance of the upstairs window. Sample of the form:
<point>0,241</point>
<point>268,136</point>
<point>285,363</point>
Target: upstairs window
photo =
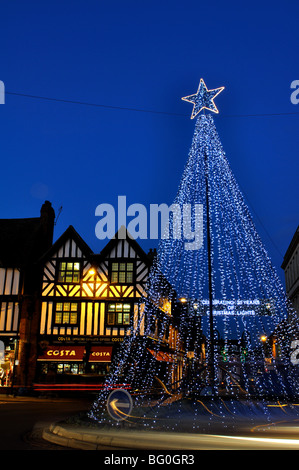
<point>122,273</point>
<point>69,272</point>
<point>119,313</point>
<point>66,313</point>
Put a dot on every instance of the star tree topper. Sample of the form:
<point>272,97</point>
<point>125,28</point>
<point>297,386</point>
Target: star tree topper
<point>203,99</point>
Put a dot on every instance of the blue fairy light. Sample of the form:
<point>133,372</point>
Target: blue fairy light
<point>247,299</point>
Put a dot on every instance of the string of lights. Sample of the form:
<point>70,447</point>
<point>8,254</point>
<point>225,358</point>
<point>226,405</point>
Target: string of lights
<point>141,110</point>
<point>248,299</point>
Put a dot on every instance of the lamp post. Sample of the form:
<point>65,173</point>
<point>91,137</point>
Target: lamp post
<point>211,321</point>
<point>203,100</point>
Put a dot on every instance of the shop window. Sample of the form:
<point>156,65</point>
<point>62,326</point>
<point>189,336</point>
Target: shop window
<point>69,272</point>
<point>69,368</point>
<point>66,313</point>
<point>7,359</point>
<point>122,273</point>
<point>119,313</point>
<point>100,369</point>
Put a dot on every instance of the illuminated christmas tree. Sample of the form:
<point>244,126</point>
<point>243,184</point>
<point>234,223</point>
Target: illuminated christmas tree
<point>226,295</point>
<point>229,281</point>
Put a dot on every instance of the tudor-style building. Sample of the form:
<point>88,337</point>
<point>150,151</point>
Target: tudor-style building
<point>290,266</point>
<point>88,304</point>
<point>65,311</point>
<point>22,243</point>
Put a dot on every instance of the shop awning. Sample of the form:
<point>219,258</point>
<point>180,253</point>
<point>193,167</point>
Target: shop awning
<point>62,353</point>
<point>161,355</point>
<point>100,354</point>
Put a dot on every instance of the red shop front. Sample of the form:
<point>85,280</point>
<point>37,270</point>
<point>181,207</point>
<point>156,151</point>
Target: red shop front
<point>62,353</point>
<point>68,367</point>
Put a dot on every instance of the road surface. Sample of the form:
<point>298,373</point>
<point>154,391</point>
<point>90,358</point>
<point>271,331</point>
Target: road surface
<point>23,418</point>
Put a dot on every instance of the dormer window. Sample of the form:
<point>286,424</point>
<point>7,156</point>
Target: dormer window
<point>69,272</point>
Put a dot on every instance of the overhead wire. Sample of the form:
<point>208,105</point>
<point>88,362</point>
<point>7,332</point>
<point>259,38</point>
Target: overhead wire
<point>140,110</point>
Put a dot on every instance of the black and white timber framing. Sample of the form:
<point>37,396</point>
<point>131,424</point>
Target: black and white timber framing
<point>10,288</point>
<point>92,292</point>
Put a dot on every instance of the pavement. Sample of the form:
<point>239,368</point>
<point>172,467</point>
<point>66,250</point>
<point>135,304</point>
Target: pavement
<point>157,441</point>
<point>206,425</point>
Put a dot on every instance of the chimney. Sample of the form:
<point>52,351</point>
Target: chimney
<point>47,215</point>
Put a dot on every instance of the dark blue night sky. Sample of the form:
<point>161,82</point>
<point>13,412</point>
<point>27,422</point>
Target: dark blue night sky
<point>141,55</point>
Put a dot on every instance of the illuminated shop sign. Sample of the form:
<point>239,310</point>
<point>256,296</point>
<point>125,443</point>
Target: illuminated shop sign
<point>237,307</point>
<point>100,354</point>
<point>76,353</point>
<point>62,353</point>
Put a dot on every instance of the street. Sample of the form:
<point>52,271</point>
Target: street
<point>23,418</point>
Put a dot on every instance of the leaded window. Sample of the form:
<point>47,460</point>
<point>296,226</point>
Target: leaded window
<point>122,273</point>
<point>66,313</point>
<point>119,313</point>
<point>69,272</point>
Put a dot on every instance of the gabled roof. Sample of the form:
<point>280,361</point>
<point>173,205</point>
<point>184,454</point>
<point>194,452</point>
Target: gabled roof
<point>70,233</point>
<point>123,234</point>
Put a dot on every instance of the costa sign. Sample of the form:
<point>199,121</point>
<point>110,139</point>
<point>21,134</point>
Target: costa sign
<point>100,354</point>
<point>76,353</point>
<point>62,353</point>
